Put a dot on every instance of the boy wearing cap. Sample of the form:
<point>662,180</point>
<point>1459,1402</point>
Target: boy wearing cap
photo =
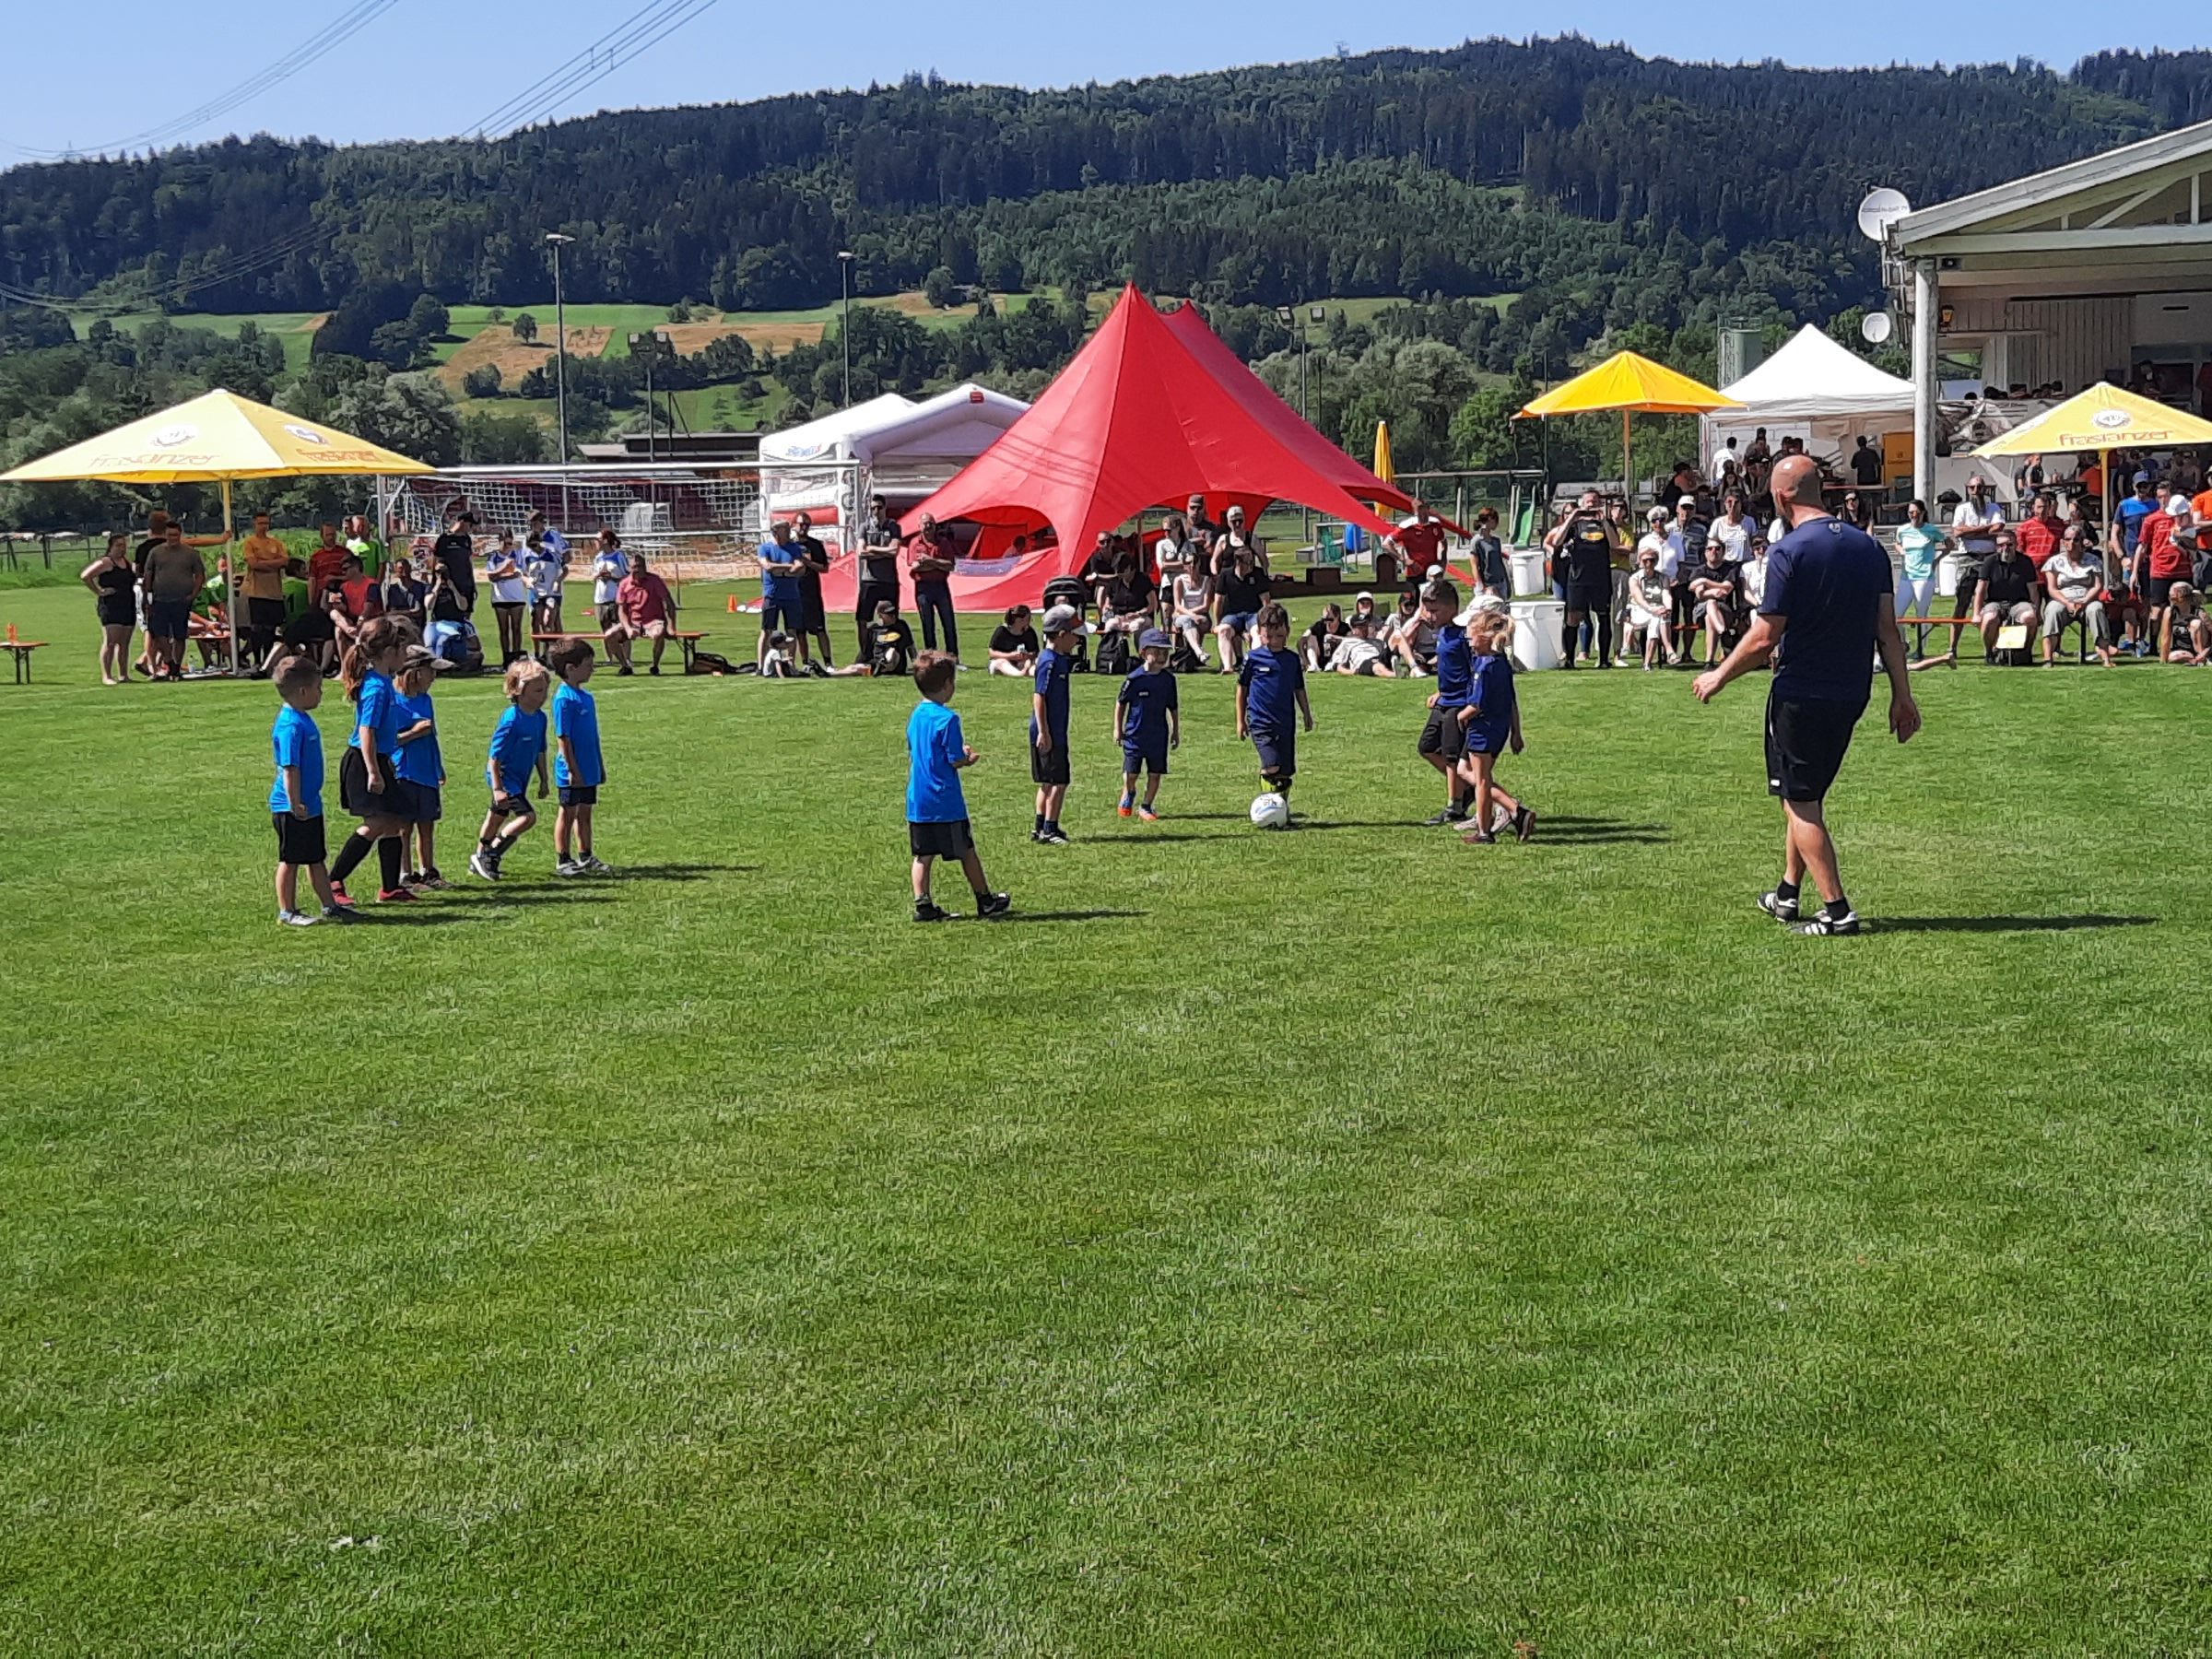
<point>936,807</point>
<point>1063,626</point>
<point>1148,722</point>
<point>1271,695</point>
<point>1443,738</point>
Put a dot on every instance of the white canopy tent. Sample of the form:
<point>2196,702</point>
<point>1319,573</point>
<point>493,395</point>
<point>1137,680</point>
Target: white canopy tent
<point>1821,392</point>
<point>888,445</point>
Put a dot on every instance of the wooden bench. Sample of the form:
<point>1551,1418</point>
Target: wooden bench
<point>21,649</point>
<point>687,641</point>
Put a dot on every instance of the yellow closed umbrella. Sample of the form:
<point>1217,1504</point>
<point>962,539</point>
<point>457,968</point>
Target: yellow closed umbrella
<point>1385,468</point>
<point>2102,419</point>
<point>1631,384</point>
<point>217,438</point>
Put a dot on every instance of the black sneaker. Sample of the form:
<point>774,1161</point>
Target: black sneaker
<point>1776,906</point>
<point>927,911</point>
<point>1823,925</point>
<point>625,670</point>
<point>989,907</point>
<point>1446,816</point>
<point>1052,835</point>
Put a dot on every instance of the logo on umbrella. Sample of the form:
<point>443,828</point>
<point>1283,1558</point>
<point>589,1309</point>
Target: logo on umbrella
<point>169,437</point>
<point>306,434</point>
<point>2109,418</point>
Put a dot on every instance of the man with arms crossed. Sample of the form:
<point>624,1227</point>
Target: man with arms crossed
<point>1830,603</point>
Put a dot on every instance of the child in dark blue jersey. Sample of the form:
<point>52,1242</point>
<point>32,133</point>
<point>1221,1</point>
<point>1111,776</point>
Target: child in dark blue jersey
<point>936,807</point>
<point>1492,723</point>
<point>1443,738</point>
<point>518,749</point>
<point>296,798</point>
<point>422,764</point>
<point>1064,627</point>
<point>1271,697</point>
<point>1147,724</point>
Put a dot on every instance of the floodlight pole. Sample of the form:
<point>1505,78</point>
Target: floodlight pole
<point>845,325</point>
<point>556,241</point>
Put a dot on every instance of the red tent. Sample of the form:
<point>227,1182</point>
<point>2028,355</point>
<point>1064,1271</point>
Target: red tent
<point>1150,412</point>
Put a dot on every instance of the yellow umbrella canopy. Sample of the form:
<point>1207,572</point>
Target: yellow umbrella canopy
<point>1630,382</point>
<point>2103,418</point>
<point>217,437</point>
<point>1385,468</point>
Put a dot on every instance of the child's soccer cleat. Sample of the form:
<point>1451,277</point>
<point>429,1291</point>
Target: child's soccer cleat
<point>1052,835</point>
<point>1148,815</point>
<point>1127,805</point>
<point>484,865</point>
<point>1439,820</point>
<point>569,867</point>
<point>397,895</point>
<point>1524,824</point>
<point>928,911</point>
<point>593,865</point>
<point>331,912</point>
<point>339,896</point>
<point>1776,906</point>
<point>1825,925</point>
<point>295,919</point>
<point>412,880</point>
<point>1478,838</point>
<point>435,882</point>
<point>991,906</point>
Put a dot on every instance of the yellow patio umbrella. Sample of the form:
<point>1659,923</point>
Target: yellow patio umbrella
<point>2102,419</point>
<point>1385,468</point>
<point>1631,384</point>
<point>217,438</point>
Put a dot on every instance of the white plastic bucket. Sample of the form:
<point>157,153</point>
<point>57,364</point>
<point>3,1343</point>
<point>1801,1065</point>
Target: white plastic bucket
<point>1950,571</point>
<point>1536,624</point>
<point>1528,569</point>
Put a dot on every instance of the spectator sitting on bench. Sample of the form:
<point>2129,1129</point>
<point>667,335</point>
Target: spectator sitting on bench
<point>2004,591</point>
<point>1240,590</point>
<point>1649,616</point>
<point>648,608</point>
<point>1713,591</point>
<point>1014,646</point>
<point>2186,633</point>
<point>2074,578</point>
<point>1125,604</point>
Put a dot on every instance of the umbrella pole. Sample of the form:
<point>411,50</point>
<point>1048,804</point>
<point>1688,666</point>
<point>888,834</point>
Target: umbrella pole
<point>231,605</point>
<point>1628,469</point>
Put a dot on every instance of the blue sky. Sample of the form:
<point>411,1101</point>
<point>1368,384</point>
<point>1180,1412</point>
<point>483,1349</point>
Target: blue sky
<point>421,69</point>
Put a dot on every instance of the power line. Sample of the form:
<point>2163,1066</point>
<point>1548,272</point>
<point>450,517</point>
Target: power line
<point>644,29</point>
<point>317,45</point>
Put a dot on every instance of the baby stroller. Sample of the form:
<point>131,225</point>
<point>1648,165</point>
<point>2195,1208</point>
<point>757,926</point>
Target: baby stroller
<point>1071,590</point>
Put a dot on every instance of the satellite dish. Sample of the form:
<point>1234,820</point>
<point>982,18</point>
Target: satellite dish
<point>1875,327</point>
<point>1881,210</point>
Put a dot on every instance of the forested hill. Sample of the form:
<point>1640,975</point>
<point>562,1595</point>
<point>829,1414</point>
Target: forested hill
<point>1252,184</point>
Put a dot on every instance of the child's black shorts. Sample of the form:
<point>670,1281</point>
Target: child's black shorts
<point>1279,751</point>
<point>396,799</point>
<point>1151,756</point>
<point>1049,766</point>
<point>510,806</point>
<point>949,839</point>
<point>1444,736</point>
<point>430,802</point>
<point>299,840</point>
<point>580,795</point>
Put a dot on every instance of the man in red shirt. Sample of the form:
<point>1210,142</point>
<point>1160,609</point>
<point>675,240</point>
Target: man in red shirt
<point>2165,533</point>
<point>1422,543</point>
<point>325,563</point>
<point>2039,533</point>
<point>647,608</point>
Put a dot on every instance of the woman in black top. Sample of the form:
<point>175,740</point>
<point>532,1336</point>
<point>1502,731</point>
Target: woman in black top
<point>115,585</point>
<point>1014,646</point>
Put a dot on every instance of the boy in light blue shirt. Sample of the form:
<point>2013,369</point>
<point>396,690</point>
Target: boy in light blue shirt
<point>296,798</point>
<point>422,764</point>
<point>937,806</point>
<point>578,770</point>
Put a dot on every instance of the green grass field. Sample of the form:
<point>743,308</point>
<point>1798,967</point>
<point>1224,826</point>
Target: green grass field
<point>1347,1243</point>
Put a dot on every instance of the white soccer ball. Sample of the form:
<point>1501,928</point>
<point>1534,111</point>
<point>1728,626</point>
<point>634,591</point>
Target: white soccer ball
<point>1270,810</point>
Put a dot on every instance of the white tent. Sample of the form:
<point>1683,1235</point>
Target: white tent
<point>1816,390</point>
<point>886,446</point>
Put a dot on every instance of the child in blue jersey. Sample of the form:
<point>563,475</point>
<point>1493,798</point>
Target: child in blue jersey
<point>1443,738</point>
<point>936,807</point>
<point>369,783</point>
<point>1492,723</point>
<point>296,798</point>
<point>1064,628</point>
<point>1271,697</point>
<point>422,764</point>
<point>518,749</point>
<point>1147,724</point>
<point>578,770</point>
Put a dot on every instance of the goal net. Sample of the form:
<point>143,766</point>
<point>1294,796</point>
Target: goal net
<point>698,524</point>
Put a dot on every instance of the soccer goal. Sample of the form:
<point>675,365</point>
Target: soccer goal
<point>699,523</point>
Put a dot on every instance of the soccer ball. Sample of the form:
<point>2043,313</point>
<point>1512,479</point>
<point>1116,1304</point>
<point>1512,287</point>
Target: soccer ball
<point>1270,811</point>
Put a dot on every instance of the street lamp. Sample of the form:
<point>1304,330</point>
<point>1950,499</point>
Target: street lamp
<point>653,343</point>
<point>556,241</point>
<point>1290,318</point>
<point>844,325</point>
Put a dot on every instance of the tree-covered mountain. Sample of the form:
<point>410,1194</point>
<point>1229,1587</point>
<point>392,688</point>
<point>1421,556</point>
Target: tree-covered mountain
<point>1356,175</point>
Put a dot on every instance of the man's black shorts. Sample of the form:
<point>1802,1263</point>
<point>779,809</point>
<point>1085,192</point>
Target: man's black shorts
<point>1049,766</point>
<point>1445,736</point>
<point>1806,744</point>
<point>2158,589</point>
<point>1590,598</point>
<point>580,795</point>
<point>1279,751</point>
<point>299,840</point>
<point>951,839</point>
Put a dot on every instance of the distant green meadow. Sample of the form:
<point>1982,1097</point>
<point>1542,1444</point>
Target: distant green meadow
<point>1348,1241</point>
